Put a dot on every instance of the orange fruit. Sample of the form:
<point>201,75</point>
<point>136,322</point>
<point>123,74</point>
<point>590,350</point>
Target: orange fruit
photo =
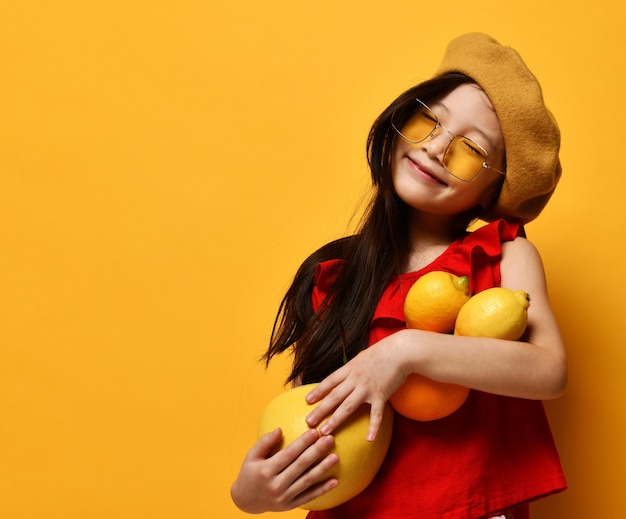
<point>359,459</point>
<point>434,301</point>
<point>496,312</point>
<point>432,304</point>
<point>423,399</point>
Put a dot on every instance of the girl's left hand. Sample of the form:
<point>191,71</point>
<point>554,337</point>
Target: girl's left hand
<point>371,377</point>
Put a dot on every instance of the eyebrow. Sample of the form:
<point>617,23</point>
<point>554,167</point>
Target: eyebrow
<point>475,128</point>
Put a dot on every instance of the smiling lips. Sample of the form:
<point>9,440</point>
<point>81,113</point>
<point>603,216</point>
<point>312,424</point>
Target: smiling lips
<point>424,172</point>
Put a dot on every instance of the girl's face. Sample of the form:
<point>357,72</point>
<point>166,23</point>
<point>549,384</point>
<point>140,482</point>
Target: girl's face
<point>418,174</point>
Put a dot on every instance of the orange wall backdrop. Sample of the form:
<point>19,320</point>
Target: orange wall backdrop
<point>165,167</point>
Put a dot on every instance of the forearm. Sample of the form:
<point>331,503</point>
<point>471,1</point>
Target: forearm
<point>511,368</point>
<point>534,367</point>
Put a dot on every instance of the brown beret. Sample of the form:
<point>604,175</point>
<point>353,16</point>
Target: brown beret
<point>531,135</point>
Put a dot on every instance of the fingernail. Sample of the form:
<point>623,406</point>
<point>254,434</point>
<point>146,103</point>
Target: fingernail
<point>325,429</point>
<point>313,434</point>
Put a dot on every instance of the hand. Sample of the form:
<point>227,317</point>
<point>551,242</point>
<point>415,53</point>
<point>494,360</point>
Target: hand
<point>370,377</point>
<point>287,479</point>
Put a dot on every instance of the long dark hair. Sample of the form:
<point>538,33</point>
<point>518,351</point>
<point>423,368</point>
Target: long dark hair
<point>322,341</point>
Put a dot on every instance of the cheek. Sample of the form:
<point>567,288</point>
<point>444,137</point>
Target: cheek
<point>500,162</point>
<point>491,191</point>
<point>399,149</point>
<point>479,192</point>
<point>497,159</point>
<point>396,158</point>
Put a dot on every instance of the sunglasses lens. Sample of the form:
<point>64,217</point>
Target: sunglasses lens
<point>419,126</point>
<point>464,158</point>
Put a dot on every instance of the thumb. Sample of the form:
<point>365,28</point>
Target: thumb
<point>266,445</point>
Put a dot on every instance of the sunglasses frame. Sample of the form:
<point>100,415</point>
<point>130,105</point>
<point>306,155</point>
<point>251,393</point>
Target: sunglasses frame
<point>432,134</point>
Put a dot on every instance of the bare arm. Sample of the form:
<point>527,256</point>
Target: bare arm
<point>534,368</point>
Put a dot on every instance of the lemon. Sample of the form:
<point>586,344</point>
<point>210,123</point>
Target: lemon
<point>496,312</point>
<point>359,459</point>
<point>434,301</point>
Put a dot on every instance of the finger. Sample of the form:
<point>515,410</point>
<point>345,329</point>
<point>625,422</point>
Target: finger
<point>286,457</point>
<point>343,411</point>
<point>308,468</point>
<point>318,491</point>
<point>328,405</point>
<point>312,488</point>
<point>265,444</point>
<point>324,387</point>
<point>376,418</point>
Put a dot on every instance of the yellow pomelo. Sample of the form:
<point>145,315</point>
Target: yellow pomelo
<point>496,312</point>
<point>359,460</point>
<point>423,399</point>
<point>434,301</point>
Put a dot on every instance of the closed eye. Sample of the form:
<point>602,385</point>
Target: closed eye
<point>473,148</point>
<point>429,117</point>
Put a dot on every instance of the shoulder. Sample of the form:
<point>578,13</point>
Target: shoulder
<point>521,264</point>
<point>519,249</point>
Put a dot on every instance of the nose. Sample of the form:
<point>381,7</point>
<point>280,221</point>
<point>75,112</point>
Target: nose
<point>436,144</point>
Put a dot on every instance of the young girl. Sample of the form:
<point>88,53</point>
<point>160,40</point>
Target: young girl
<point>475,141</point>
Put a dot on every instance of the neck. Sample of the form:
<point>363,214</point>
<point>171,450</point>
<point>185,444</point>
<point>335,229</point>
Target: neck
<point>430,235</point>
<point>428,228</point>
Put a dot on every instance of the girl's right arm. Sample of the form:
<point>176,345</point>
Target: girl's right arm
<point>287,479</point>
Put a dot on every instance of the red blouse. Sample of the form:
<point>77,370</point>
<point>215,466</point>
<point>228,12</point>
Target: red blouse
<point>492,453</point>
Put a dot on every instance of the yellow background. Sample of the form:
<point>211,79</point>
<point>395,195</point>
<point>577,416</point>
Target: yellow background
<point>165,167</point>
